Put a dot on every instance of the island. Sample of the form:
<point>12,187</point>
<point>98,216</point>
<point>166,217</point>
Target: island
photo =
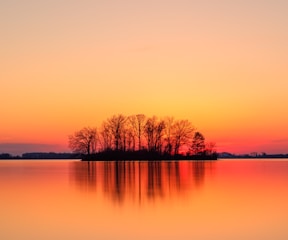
<point>138,137</point>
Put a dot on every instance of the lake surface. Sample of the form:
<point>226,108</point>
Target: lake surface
<point>70,199</point>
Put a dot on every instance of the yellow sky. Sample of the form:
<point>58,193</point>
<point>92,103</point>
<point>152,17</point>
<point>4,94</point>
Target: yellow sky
<point>221,64</point>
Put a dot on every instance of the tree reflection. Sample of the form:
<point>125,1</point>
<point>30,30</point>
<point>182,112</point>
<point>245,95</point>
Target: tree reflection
<point>154,182</point>
<point>140,181</point>
<point>84,174</point>
<point>198,172</point>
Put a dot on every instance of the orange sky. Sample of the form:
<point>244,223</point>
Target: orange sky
<point>69,64</point>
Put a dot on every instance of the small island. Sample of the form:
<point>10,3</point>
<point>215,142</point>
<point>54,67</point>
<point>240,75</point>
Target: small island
<point>143,155</point>
<point>138,137</point>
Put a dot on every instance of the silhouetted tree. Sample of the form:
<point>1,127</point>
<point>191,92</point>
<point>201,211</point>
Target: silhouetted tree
<point>84,141</point>
<point>131,142</point>
<point>116,127</point>
<point>149,132</point>
<point>137,123</point>
<point>140,128</point>
<point>160,126</point>
<point>164,138</point>
<point>168,134</point>
<point>198,144</point>
<point>154,131</point>
<point>182,133</point>
<point>106,140</point>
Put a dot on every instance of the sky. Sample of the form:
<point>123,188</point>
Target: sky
<point>221,64</point>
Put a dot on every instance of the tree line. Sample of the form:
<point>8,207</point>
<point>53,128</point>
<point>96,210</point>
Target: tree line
<point>139,133</point>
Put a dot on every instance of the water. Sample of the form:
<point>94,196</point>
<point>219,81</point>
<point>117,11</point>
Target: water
<point>224,199</point>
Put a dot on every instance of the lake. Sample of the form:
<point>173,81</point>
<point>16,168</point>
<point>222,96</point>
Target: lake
<point>70,199</point>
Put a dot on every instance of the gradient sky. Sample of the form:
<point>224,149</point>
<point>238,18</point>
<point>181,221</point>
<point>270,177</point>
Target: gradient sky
<point>69,64</point>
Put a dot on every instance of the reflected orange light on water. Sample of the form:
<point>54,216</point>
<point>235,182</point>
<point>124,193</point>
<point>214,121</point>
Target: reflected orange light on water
<point>142,200</point>
<point>139,182</point>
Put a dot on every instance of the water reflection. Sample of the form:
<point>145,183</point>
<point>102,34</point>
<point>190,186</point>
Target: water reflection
<point>242,199</point>
<point>141,181</point>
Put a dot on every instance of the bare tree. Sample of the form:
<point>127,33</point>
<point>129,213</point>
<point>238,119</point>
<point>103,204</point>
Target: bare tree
<point>149,132</point>
<point>160,126</point>
<point>124,137</point>
<point>132,132</point>
<point>168,134</point>
<point>116,126</point>
<point>198,144</point>
<point>154,130</point>
<point>106,139</point>
<point>182,134</point>
<point>131,143</point>
<point>84,141</point>
<point>129,133</point>
<point>139,125</point>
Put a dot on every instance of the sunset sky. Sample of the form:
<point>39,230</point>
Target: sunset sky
<point>221,64</point>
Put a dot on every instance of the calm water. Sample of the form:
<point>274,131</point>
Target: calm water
<point>225,199</point>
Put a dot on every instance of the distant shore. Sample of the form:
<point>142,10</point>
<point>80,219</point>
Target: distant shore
<point>226,155</point>
<point>109,156</point>
<point>112,156</point>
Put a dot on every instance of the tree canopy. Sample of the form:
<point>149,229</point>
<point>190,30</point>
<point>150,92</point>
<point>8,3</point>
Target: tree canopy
<point>136,133</point>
